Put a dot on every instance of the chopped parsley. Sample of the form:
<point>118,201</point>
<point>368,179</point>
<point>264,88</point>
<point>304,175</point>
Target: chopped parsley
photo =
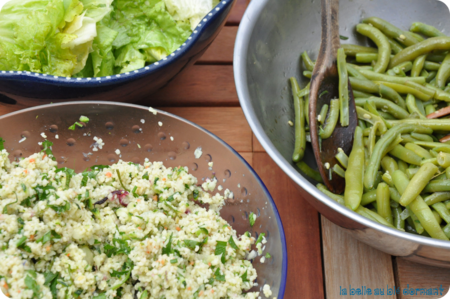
<point>32,285</point>
<point>268,256</point>
<point>69,174</point>
<point>48,236</point>
<point>48,149</point>
<point>145,176</point>
<point>323,93</point>
<point>168,248</point>
<point>260,238</point>
<point>244,277</point>
<point>200,231</point>
<point>72,127</point>
<point>252,218</point>
<point>2,141</point>
<point>60,209</point>
<point>218,276</point>
<point>232,243</point>
<point>342,37</point>
<point>221,249</point>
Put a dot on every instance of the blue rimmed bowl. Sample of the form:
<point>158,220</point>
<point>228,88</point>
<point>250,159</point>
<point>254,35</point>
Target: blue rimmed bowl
<point>35,88</point>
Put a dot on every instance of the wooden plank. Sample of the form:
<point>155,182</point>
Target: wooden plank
<point>248,156</point>
<point>200,85</point>
<point>349,263</point>
<point>221,50</point>
<point>416,276</point>
<point>301,226</point>
<point>228,123</point>
<point>237,12</point>
<point>257,147</point>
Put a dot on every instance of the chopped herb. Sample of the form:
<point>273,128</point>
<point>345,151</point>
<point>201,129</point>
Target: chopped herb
<point>43,193</point>
<point>154,182</point>
<point>2,141</point>
<point>191,244</point>
<point>20,220</point>
<point>72,127</point>
<point>60,209</point>
<point>5,208</point>
<point>121,247</point>
<point>134,192</point>
<point>268,256</point>
<point>244,277</point>
<point>218,276</point>
<point>48,236</point>
<point>84,119</point>
<point>232,243</point>
<point>145,176</point>
<point>196,192</point>
<point>323,93</point>
<point>252,218</point>
<point>100,296</point>
<point>174,261</point>
<point>32,285</point>
<point>88,175</point>
<point>260,238</point>
<point>343,37</point>
<point>168,248</point>
<point>47,149</point>
<point>99,167</point>
<point>24,188</point>
<point>247,234</point>
<point>201,230</point>
<point>120,180</point>
<point>69,174</point>
<point>221,249</point>
<point>78,292</point>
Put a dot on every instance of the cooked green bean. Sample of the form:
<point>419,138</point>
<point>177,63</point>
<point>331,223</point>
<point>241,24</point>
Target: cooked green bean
<point>300,133</point>
<point>354,187</point>
<point>418,66</point>
<point>366,57</point>
<point>395,46</point>
<point>384,49</point>
<point>437,197</point>
<point>437,216</point>
<point>405,89</point>
<point>440,94</point>
<point>398,222</point>
<point>385,105</point>
<point>352,50</point>
<point>339,171</point>
<point>342,158</point>
<point>371,118</point>
<point>369,197</point>
<point>419,208</point>
<point>406,155</point>
<point>431,66</point>
<point>391,79</point>
<point>405,66</point>
<point>412,108</point>
<point>307,108</point>
<point>323,114</point>
<point>343,88</point>
<point>307,74</point>
<point>309,64</point>
<point>441,209</point>
<point>408,138</point>
<point>387,178</point>
<point>410,172</point>
<point>425,29</point>
<point>402,165</point>
<point>443,73</point>
<point>421,48</point>
<point>425,90</point>
<point>418,183</point>
<point>335,197</point>
<point>437,186</point>
<point>331,121</point>
<point>433,124</point>
<point>443,159</point>
<point>389,93</point>
<point>422,137</point>
<point>419,150</point>
<point>360,94</point>
<point>363,85</point>
<point>383,202</point>
<point>434,57</point>
<point>389,164</point>
<point>404,37</point>
<point>309,172</point>
<point>432,160</point>
<point>372,216</point>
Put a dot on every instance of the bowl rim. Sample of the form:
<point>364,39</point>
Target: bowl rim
<point>284,263</point>
<point>128,76</point>
<point>246,27</point>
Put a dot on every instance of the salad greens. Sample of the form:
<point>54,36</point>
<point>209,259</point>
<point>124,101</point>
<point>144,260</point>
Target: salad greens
<point>87,38</point>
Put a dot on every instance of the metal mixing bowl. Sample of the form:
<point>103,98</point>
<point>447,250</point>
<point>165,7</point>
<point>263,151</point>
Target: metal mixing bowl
<point>173,143</point>
<point>271,37</point>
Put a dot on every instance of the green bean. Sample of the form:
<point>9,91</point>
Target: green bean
<point>441,209</point>
<point>307,74</point>
<point>419,208</point>
<point>420,151</point>
<point>352,50</point>
<point>418,66</point>
<point>431,66</point>
<point>429,109</point>
<point>380,147</point>
<point>389,164</point>
<point>425,90</point>
<point>433,124</point>
<point>408,138</point>
<point>338,170</point>
<point>354,186</point>
<point>443,159</point>
<point>387,178</point>
<point>335,197</point>
<point>309,172</point>
<point>392,95</point>
<point>372,108</point>
<point>440,94</point>
<point>411,105</point>
<point>436,145</point>
<point>398,222</point>
<point>307,108</point>
<point>342,158</point>
<point>352,71</point>
<point>373,216</point>
<point>366,57</point>
<point>447,204</point>
<point>360,94</point>
<point>437,186</point>
<point>406,155</point>
<point>362,124</point>
<point>305,91</point>
<point>414,221</point>
<point>363,85</point>
<point>386,105</point>
<point>432,160</point>
<point>425,29</point>
<point>443,73</point>
<point>437,197</point>
<point>405,89</point>
<point>402,165</point>
<point>433,153</point>
<point>421,48</point>
<point>323,114</point>
<point>391,79</point>
<point>309,64</point>
<point>422,137</point>
<point>300,133</point>
<point>395,46</point>
<point>405,66</point>
<point>418,183</point>
<point>386,115</point>
<point>410,172</point>
<point>372,136</point>
<point>404,37</point>
<point>343,88</point>
<point>383,202</point>
<point>431,76</point>
<point>369,197</point>
<point>371,118</point>
<point>437,216</point>
<point>331,121</point>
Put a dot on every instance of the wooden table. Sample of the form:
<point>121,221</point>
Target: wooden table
<point>322,258</point>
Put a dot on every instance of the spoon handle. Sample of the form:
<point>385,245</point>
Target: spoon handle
<point>330,33</point>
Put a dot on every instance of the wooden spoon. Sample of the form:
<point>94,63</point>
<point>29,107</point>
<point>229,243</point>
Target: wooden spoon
<point>325,78</point>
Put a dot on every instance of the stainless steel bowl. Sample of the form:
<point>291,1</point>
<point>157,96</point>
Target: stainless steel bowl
<point>271,37</point>
<point>173,143</point>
